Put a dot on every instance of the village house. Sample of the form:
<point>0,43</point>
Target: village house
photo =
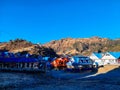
<point>83,60</point>
<point>80,62</point>
<point>111,57</point>
<point>11,61</point>
<point>96,57</point>
<point>106,58</point>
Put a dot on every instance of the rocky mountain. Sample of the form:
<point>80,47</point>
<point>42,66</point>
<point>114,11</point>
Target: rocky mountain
<point>20,45</point>
<point>71,46</point>
<point>84,46</point>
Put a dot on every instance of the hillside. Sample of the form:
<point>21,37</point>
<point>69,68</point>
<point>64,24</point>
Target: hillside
<point>20,45</point>
<point>84,46</point>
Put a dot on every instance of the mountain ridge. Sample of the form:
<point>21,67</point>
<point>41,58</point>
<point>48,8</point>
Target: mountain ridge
<point>84,46</point>
<point>71,46</point>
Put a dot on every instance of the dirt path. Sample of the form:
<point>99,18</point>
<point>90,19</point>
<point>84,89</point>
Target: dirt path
<point>107,68</point>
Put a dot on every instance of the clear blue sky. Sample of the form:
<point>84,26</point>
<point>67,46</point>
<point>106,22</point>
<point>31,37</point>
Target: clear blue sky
<point>46,20</point>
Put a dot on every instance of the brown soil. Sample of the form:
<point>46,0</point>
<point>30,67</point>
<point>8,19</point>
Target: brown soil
<point>107,68</point>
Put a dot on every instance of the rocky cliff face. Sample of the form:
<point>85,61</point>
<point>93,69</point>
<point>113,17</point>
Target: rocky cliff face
<point>84,46</point>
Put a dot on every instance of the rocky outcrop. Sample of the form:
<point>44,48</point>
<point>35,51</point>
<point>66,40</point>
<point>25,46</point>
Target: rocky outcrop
<point>83,46</point>
<point>20,45</point>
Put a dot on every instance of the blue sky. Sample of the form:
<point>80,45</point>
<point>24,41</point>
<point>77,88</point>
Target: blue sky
<point>46,20</point>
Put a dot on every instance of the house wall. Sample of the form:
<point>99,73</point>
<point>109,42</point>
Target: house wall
<point>96,59</point>
<point>109,59</point>
<point>106,58</point>
<point>83,60</point>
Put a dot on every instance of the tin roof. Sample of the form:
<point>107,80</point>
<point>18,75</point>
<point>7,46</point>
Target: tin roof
<point>99,55</point>
<point>18,60</point>
<point>115,54</point>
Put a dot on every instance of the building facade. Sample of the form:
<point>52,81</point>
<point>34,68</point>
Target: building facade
<point>106,58</point>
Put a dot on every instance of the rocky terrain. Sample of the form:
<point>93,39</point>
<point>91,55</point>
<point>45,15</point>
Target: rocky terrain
<point>84,46</point>
<point>71,46</point>
<point>23,46</point>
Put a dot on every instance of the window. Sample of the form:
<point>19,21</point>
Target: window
<point>107,54</point>
<point>82,61</point>
<point>87,61</point>
<point>27,64</point>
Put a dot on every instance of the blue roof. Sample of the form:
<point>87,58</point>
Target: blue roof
<point>99,55</point>
<point>115,54</point>
<point>18,60</point>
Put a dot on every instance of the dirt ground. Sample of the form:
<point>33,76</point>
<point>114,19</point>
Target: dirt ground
<point>107,68</point>
<point>106,78</point>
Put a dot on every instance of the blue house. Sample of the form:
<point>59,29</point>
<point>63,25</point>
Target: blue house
<point>8,61</point>
<point>78,62</point>
<point>83,60</point>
